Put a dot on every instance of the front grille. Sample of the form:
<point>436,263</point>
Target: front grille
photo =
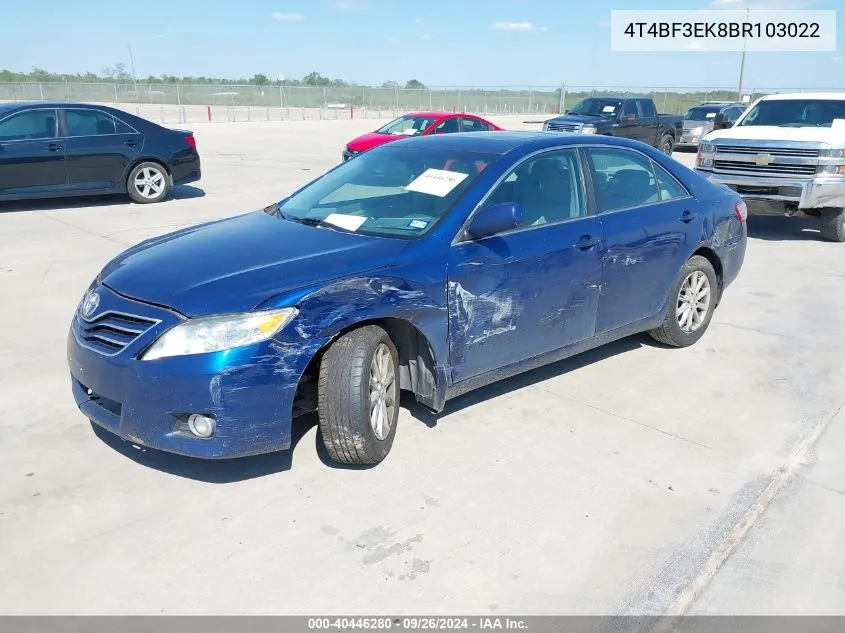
<point>772,169</point>
<point>562,127</point>
<point>110,332</point>
<point>798,152</point>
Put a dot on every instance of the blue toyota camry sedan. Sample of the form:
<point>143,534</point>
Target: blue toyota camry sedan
<point>431,265</point>
<point>50,150</point>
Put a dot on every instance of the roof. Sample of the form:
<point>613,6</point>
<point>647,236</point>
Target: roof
<point>826,96</point>
<point>434,114</point>
<point>506,141</point>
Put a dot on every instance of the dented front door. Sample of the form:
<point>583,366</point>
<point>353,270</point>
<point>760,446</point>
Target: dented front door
<point>521,294</point>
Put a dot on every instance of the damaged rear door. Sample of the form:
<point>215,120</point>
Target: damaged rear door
<point>651,224</point>
<point>531,289</point>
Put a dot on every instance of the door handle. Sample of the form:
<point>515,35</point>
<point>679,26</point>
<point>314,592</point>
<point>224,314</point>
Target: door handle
<point>54,147</point>
<point>586,242</point>
<point>688,216</point>
<point>130,143</point>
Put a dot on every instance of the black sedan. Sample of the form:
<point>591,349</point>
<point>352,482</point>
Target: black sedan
<point>50,150</point>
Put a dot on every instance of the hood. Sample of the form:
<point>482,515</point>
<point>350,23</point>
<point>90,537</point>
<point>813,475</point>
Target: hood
<point>775,133</point>
<point>233,265</point>
<point>370,140</point>
<point>582,118</point>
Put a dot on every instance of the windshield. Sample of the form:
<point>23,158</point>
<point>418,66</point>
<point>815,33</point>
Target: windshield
<point>597,107</point>
<point>702,114</point>
<point>407,125</point>
<point>795,113</point>
<point>389,191</point>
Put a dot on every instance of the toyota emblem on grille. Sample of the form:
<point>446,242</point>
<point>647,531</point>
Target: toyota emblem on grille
<point>764,159</point>
<point>90,303</point>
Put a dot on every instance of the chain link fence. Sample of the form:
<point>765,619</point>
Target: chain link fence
<point>273,102</point>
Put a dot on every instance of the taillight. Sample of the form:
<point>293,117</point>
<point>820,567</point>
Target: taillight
<point>741,210</point>
<point>191,141</point>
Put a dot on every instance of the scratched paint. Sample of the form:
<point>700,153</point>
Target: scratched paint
<point>485,316</point>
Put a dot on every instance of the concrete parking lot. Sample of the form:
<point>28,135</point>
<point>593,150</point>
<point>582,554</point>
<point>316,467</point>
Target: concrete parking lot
<point>631,479</point>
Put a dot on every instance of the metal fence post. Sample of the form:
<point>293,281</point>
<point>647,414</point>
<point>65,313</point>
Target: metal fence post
<point>665,99</point>
<point>562,103</point>
<point>179,103</point>
<point>41,90</point>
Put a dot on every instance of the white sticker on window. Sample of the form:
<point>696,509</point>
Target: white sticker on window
<point>409,132</point>
<point>436,182</point>
<point>344,221</point>
<point>610,108</point>
<point>710,115</point>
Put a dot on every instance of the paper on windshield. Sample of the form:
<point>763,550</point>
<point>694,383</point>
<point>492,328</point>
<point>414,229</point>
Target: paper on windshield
<point>409,132</point>
<point>436,182</point>
<point>710,115</point>
<point>344,221</point>
<point>609,108</point>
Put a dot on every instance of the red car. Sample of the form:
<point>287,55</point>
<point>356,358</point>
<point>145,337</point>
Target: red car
<point>418,124</point>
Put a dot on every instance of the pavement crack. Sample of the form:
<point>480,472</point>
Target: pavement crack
<point>89,232</point>
<point>736,536</point>
<point>631,420</point>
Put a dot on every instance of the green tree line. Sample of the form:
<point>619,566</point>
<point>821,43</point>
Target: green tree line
<point>119,74</point>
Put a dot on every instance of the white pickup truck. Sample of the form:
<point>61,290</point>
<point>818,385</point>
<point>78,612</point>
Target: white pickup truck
<point>785,156</point>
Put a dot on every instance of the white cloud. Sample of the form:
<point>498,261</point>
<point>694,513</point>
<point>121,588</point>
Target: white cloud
<point>836,58</point>
<point>739,5</point>
<point>524,27</point>
<point>350,6</point>
<point>288,17</point>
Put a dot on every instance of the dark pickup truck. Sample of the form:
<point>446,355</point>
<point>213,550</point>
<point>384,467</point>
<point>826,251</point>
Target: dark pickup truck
<point>635,118</point>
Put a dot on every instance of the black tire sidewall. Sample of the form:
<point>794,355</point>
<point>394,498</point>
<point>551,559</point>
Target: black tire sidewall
<point>833,225</point>
<point>681,338</point>
<point>664,140</point>
<point>377,448</point>
<point>130,183</point>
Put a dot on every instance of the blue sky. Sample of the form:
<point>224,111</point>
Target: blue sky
<point>440,42</point>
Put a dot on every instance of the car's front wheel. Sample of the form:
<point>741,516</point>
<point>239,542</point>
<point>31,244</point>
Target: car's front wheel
<point>358,396</point>
<point>691,304</point>
<point>148,182</point>
<point>833,224</point>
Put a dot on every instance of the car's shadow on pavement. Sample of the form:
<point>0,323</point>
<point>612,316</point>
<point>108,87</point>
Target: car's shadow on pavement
<point>225,471</point>
<point>783,229</point>
<point>182,192</point>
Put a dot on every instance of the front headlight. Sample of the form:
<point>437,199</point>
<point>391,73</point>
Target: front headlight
<point>589,129</point>
<point>832,153</point>
<point>218,333</point>
<point>706,152</point>
<point>546,126</point>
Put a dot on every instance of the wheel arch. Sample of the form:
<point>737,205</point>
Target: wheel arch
<point>710,255</point>
<point>419,372</point>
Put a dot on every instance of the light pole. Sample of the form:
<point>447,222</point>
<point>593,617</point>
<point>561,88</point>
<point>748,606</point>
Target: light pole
<point>742,61</point>
<point>132,66</point>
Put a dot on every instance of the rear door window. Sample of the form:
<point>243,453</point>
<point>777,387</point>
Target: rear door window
<point>29,125</point>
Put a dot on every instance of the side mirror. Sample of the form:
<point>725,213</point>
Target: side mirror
<point>494,219</point>
<point>566,111</point>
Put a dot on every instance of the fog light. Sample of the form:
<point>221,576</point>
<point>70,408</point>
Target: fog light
<point>201,425</point>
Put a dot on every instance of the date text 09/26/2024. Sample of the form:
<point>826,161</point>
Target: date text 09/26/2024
<point>417,623</point>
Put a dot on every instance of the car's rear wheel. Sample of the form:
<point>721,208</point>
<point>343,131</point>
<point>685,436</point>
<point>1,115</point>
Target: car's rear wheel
<point>691,304</point>
<point>148,182</point>
<point>667,144</point>
<point>833,224</point>
<point>358,396</point>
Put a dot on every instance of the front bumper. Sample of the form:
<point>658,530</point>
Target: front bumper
<point>689,140</point>
<point>810,193</point>
<point>249,391</point>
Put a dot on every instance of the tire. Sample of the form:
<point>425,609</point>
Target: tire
<point>351,433</point>
<point>148,182</point>
<point>671,331</point>
<point>833,224</point>
<point>666,144</point>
